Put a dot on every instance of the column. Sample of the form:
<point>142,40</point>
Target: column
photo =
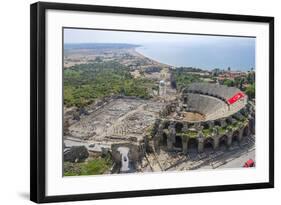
<point>222,122</point>
<point>156,140</point>
<point>200,144</point>
<point>169,143</point>
<point>184,144</point>
<point>171,138</point>
<point>240,135</point>
<point>216,142</point>
<point>229,140</point>
<point>252,124</point>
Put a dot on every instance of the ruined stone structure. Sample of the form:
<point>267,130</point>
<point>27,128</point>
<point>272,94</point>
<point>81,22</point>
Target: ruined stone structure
<point>198,119</point>
<point>216,123</point>
<point>162,88</point>
<point>127,155</point>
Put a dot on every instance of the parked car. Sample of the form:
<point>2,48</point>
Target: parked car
<point>249,163</point>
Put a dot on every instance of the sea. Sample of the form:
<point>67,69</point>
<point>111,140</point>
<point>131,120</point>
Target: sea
<point>238,55</point>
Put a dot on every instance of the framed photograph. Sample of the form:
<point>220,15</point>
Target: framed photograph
<point>129,102</point>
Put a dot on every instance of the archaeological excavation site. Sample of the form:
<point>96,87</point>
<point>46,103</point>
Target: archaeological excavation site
<point>127,110</point>
<point>203,125</point>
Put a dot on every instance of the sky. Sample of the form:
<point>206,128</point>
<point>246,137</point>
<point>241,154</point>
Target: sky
<point>204,51</point>
<point>102,36</point>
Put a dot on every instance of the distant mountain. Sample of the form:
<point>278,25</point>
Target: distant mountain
<point>99,46</point>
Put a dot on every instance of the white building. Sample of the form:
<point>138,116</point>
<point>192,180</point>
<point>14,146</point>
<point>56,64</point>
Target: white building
<point>162,88</point>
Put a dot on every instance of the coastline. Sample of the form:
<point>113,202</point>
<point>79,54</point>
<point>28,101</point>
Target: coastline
<point>139,54</point>
<point>207,69</point>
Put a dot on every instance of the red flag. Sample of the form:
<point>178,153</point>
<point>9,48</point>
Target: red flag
<point>235,97</point>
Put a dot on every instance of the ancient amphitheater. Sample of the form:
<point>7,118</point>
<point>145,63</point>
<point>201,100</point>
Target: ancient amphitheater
<point>206,116</point>
<point>200,118</point>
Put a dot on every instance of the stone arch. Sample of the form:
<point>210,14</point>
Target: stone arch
<point>206,125</point>
<point>246,131</point>
<point>178,126</point>
<point>243,112</point>
<point>223,140</point>
<point>217,123</point>
<point>191,125</point>
<point>178,142</point>
<point>164,139</point>
<point>209,143</point>
<point>166,124</point>
<point>185,98</point>
<point>235,136</point>
<point>192,145</point>
<point>228,121</point>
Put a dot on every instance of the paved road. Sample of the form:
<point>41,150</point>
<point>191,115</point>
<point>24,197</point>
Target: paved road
<point>239,161</point>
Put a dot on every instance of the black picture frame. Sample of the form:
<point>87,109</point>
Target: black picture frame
<point>38,100</point>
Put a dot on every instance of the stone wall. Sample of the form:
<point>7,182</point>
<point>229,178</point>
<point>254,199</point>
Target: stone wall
<point>219,131</point>
<point>136,152</point>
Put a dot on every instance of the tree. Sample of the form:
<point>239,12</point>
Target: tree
<point>250,91</point>
<point>84,83</point>
<point>229,83</point>
<point>98,59</point>
<point>241,83</point>
<point>238,82</point>
<point>216,72</point>
<point>251,77</point>
<point>173,81</point>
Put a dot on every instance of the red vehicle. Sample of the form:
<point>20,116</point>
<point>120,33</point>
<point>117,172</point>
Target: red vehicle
<point>249,163</point>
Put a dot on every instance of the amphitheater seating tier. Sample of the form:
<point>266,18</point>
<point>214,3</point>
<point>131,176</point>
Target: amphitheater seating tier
<point>213,89</point>
<point>211,100</point>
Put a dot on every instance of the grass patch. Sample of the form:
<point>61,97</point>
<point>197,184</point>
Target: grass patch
<point>234,126</point>
<point>222,130</point>
<point>243,120</point>
<point>91,167</point>
<point>190,133</point>
<point>207,132</point>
